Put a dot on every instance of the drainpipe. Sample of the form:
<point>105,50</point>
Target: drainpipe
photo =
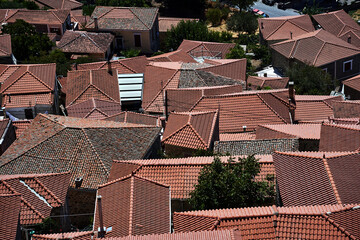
<point>101,233</point>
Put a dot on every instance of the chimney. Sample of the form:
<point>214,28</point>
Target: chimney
<point>244,128</point>
<point>96,23</point>
<point>109,67</point>
<point>290,35</point>
<point>349,39</point>
<point>291,92</point>
<point>166,105</point>
<point>75,66</point>
<point>78,182</point>
<point>262,25</point>
<point>101,233</point>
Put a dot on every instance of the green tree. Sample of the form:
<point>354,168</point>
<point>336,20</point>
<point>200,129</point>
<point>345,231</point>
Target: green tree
<point>183,8</point>
<point>213,15</point>
<point>231,185</point>
<point>25,41</point>
<point>241,4</point>
<point>309,79</point>
<point>4,4</point>
<point>123,3</point>
<point>242,22</point>
<point>55,56</point>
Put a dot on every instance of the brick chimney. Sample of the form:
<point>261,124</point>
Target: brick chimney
<point>96,23</point>
<point>101,233</point>
<point>109,67</point>
<point>292,103</point>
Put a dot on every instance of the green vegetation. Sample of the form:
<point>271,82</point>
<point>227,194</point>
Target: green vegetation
<point>242,22</point>
<point>213,15</point>
<point>130,53</point>
<point>4,4</point>
<point>55,56</point>
<point>231,185</point>
<point>183,8</point>
<point>242,4</point>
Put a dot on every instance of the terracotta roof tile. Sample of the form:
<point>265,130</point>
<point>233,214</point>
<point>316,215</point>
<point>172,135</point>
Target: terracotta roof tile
<point>134,205</point>
<point>77,16</point>
<point>255,82</point>
<point>85,84</point>
<point>53,16</point>
<point>85,42</point>
<point>10,209</point>
<point>209,49</point>
<point>124,18</point>
<point>353,82</point>
<point>181,174</point>
<point>317,48</point>
<point>20,126</point>
<point>345,121</point>
<point>337,137</point>
<point>175,56</point>
<point>279,28</point>
<point>50,189</point>
<point>132,117</point>
<point>60,4</point>
<point>196,130</point>
<point>234,69</point>
<point>94,108</point>
<point>346,109</point>
<point>166,23</point>
<point>5,45</point>
<point>310,180</point>
<point>55,143</point>
<point>304,131</point>
<point>28,100</point>
<point>237,136</point>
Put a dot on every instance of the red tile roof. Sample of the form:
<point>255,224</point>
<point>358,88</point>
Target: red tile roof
<point>235,69</point>
<point>10,205</point>
<point>225,137</point>
<point>132,117</point>
<point>5,45</point>
<point>84,147</point>
<point>345,121</point>
<point>255,82</point>
<point>336,137</point>
<point>124,18</point>
<point>304,131</point>
<point>346,109</point>
<point>281,28</point>
<point>227,234</point>
<point>313,108</point>
<point>85,42</point>
<point>312,180</point>
<point>317,222</point>
<point>317,48</point>
<point>60,4</point>
<point>40,193</point>
<point>134,205</point>
<point>208,49</point>
<point>127,65</point>
<point>52,16</point>
<point>66,235</point>
<point>195,130</point>
<point>175,56</point>
<point>250,109</point>
<point>166,23</point>
<point>77,16</point>
<point>94,109</point>
<point>181,174</point>
<point>85,84</point>
<point>353,83</point>
<point>20,126</point>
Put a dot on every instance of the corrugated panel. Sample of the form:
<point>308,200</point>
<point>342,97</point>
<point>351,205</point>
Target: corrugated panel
<point>131,86</point>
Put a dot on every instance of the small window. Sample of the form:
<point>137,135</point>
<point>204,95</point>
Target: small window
<point>55,30</point>
<point>29,114</point>
<point>137,39</point>
<point>347,66</point>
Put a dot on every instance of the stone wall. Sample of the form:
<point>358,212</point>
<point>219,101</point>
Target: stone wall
<point>247,147</point>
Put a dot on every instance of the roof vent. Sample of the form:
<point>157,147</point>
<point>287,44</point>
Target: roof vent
<point>244,128</point>
<point>328,213</point>
<point>78,182</point>
<point>356,207</point>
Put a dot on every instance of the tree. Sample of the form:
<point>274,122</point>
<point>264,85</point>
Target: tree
<point>231,185</point>
<point>25,41</point>
<point>242,4</point>
<point>55,56</point>
<point>213,15</point>
<point>183,8</point>
<point>309,79</point>
<point>242,22</point>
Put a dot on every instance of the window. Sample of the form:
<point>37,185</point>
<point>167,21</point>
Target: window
<point>29,113</point>
<point>347,66</point>
<point>137,39</point>
<point>324,70</point>
<point>55,30</point>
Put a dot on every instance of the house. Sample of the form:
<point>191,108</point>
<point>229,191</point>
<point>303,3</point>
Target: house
<point>340,137</point>
<point>85,235</point>
<point>161,76</point>
<point>59,4</point>
<point>352,88</point>
<point>7,134</point>
<point>271,222</point>
<point>277,29</point>
<point>314,178</point>
<point>186,132</point>
<point>78,20</point>
<point>314,108</point>
<point>94,45</point>
<point>321,49</point>
<point>45,21</point>
<point>133,117</point>
<point>10,205</point>
<point>29,89</point>
<point>41,195</point>
<point>133,27</point>
<point>340,24</point>
<point>94,108</point>
<point>174,56</point>
<point>258,83</point>
<point>308,134</point>
<point>6,55</point>
<point>83,85</point>
<point>346,109</point>
<point>181,174</point>
<point>133,205</point>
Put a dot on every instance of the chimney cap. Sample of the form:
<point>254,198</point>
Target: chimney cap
<point>99,196</point>
<point>291,83</point>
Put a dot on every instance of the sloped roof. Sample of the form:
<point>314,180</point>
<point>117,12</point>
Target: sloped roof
<point>255,82</point>
<point>317,48</point>
<point>281,28</point>
<point>304,131</point>
<point>181,174</point>
<point>132,117</point>
<point>174,56</point>
<point>20,126</point>
<point>346,109</point>
<point>52,16</point>
<point>228,137</point>
<point>84,147</point>
<point>124,18</point>
<point>211,49</point>
<point>196,130</point>
<point>314,108</point>
<point>345,121</point>
<point>40,193</point>
<point>5,45</point>
<point>60,4</point>
<point>339,137</point>
<point>166,23</point>
<point>127,65</point>
<point>134,205</point>
<point>250,109</point>
<point>77,16</point>
<point>85,84</point>
<point>353,82</point>
<point>86,235</point>
<point>10,205</point>
<point>319,222</point>
<point>310,180</point>
<point>85,42</point>
<point>94,109</point>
